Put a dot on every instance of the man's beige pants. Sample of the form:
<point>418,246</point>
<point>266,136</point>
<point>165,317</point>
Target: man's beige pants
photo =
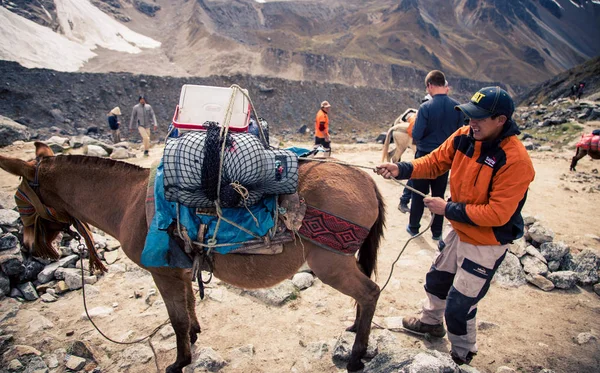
<point>145,137</point>
<point>459,277</point>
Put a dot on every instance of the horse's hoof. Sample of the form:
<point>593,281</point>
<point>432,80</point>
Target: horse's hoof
<point>352,328</point>
<point>194,334</point>
<point>355,365</point>
<point>173,369</point>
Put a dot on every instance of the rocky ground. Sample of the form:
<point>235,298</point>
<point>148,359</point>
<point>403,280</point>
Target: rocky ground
<point>299,327</point>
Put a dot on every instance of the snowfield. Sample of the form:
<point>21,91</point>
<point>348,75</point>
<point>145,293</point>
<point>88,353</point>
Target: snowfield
<point>85,28</point>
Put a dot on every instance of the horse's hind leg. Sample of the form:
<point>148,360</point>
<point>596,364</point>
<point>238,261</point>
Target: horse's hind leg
<point>342,273</point>
<point>174,294</point>
<point>191,307</point>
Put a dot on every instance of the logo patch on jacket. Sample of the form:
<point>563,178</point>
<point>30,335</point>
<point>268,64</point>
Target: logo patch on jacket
<point>490,161</point>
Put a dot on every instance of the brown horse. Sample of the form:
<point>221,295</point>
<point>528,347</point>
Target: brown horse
<point>580,153</point>
<point>110,195</point>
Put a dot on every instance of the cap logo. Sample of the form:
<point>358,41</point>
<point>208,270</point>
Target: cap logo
<point>477,97</point>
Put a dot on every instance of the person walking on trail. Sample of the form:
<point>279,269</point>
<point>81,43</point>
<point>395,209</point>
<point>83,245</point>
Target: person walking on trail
<point>436,121</point>
<point>491,173</point>
<point>322,127</point>
<point>114,124</point>
<point>580,90</point>
<point>143,118</point>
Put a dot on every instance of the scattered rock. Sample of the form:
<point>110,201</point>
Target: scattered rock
<point>583,338</point>
<point>15,365</point>
<point>510,273</point>
<point>167,331</point>
<point>563,279</point>
<point>74,363</point>
<point>208,359</point>
<point>28,291</point>
<point>540,281</point>
<point>95,151</point>
<point>82,349</point>
<point>486,325</point>
<point>533,265</point>
<point>540,234</point>
<point>9,217</point>
<point>554,251</point>
<point>275,296</point>
<point>138,354</point>
<point>19,351</point>
<point>111,256</point>
<point>343,347</point>
<point>303,280</point>
<point>597,289</point>
<point>585,265</point>
<point>98,312</point>
<point>411,360</point>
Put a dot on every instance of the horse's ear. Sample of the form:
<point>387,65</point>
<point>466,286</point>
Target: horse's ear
<point>42,150</point>
<point>17,167</point>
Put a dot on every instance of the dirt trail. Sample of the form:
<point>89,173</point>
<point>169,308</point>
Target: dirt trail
<point>533,329</point>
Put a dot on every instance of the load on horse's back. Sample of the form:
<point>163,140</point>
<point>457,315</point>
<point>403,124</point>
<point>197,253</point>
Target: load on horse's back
<point>401,131</point>
<point>112,195</point>
<point>589,144</point>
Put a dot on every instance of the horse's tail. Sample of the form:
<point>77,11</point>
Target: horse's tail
<point>367,255</point>
<point>386,145</point>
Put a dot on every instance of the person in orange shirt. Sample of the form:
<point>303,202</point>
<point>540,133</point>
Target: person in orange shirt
<point>322,126</point>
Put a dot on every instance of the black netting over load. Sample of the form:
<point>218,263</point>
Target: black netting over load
<point>191,169</point>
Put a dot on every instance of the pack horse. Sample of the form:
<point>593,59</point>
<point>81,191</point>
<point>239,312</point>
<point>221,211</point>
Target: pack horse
<point>111,196</point>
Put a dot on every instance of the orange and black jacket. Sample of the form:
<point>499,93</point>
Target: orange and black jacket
<point>488,183</point>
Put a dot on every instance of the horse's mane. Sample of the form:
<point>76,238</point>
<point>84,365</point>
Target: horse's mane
<point>90,161</point>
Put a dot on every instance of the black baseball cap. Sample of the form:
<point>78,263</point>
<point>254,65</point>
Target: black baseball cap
<point>488,101</point>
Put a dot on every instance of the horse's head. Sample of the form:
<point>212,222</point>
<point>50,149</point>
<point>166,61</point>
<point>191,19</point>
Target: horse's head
<point>38,232</point>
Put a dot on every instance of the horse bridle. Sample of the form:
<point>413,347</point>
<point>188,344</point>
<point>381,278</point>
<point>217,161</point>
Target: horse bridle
<point>31,208</point>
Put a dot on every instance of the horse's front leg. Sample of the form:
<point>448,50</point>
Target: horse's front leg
<point>174,293</point>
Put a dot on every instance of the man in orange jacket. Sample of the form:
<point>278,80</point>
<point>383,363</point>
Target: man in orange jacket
<point>322,126</point>
<point>491,172</point>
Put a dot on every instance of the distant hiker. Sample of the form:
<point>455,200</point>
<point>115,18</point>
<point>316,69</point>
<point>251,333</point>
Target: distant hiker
<point>114,124</point>
<point>322,127</point>
<point>574,89</point>
<point>142,117</point>
<point>580,90</point>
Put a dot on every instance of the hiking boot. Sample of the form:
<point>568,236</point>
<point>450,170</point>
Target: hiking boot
<point>414,324</point>
<point>436,237</point>
<point>146,153</point>
<point>412,234</point>
<point>403,207</point>
<point>461,361</point>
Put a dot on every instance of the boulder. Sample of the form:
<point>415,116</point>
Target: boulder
<point>563,279</point>
<point>208,359</point>
<point>9,241</point>
<point>95,151</point>
<point>540,281</point>
<point>411,360</point>
<point>9,217</point>
<point>510,273</point>
<point>533,265</point>
<point>11,131</point>
<point>554,251</point>
<point>7,201</point>
<point>585,265</point>
<point>275,296</point>
<point>540,234</point>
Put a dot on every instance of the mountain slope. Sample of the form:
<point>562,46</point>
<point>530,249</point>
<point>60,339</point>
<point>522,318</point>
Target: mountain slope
<point>518,42</point>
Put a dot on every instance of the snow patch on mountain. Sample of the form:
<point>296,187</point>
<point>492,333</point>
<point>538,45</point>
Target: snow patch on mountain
<point>85,28</point>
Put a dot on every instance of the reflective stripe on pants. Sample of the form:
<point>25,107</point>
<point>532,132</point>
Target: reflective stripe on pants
<point>459,277</point>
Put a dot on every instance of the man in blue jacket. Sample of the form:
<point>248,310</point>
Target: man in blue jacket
<point>436,121</point>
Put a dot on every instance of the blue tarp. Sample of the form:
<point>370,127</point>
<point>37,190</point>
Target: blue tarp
<point>161,251</point>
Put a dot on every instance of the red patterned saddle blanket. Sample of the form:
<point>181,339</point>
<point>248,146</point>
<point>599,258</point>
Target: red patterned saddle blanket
<point>589,141</point>
<point>332,232</point>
